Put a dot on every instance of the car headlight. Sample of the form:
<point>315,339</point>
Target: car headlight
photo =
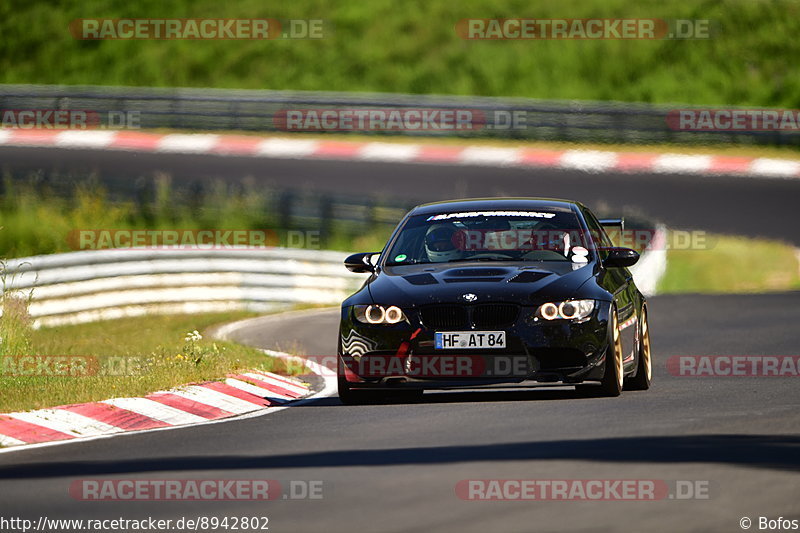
<point>575,310</point>
<point>379,314</point>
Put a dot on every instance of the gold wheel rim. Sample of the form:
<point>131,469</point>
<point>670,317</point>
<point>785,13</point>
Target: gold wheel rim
<point>646,348</point>
<point>618,351</point>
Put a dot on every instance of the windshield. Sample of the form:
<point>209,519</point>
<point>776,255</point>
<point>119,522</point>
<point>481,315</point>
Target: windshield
<point>509,235</point>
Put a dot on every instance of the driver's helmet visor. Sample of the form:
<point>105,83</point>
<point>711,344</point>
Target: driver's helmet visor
<point>440,240</point>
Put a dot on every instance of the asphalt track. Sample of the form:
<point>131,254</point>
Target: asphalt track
<point>395,467</point>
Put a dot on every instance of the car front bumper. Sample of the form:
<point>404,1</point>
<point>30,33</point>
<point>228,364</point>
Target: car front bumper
<point>403,355</point>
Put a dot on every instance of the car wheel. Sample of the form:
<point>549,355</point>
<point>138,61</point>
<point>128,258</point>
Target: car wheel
<point>613,377</point>
<point>349,396</point>
<point>644,367</point>
<point>612,382</point>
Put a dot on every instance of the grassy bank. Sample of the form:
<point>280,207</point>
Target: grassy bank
<point>732,265</point>
<point>126,357</point>
<point>38,216</point>
<point>413,47</point>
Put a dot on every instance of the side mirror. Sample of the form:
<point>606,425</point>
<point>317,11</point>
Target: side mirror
<point>620,257</point>
<point>359,263</point>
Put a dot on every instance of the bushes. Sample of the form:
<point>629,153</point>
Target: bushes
<point>413,47</point>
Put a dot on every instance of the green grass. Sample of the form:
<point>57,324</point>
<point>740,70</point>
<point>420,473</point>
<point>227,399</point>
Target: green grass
<point>14,324</point>
<point>385,46</point>
<point>732,265</point>
<point>127,357</point>
<point>37,219</point>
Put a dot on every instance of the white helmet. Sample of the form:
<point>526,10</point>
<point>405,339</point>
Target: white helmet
<point>440,243</point>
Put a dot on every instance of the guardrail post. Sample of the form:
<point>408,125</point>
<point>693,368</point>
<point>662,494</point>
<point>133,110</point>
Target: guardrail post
<point>143,200</point>
<point>285,206</point>
<point>325,220</point>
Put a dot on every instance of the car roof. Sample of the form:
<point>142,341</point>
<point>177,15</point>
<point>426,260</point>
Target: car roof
<point>475,204</point>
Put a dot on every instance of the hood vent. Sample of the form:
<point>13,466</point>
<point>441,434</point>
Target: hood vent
<point>475,272</point>
<point>529,276</point>
<point>471,280</point>
<point>421,279</point>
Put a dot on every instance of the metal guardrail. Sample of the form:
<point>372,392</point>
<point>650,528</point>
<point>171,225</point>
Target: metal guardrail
<point>94,285</point>
<point>223,109</point>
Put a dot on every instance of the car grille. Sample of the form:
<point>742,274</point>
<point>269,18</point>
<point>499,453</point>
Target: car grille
<point>492,316</point>
<point>444,317</point>
<point>484,316</point>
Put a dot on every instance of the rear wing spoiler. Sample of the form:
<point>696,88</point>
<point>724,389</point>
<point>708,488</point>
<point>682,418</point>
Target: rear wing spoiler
<point>614,228</point>
<point>613,223</point>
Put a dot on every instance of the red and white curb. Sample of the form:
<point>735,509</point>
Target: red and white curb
<point>240,395</point>
<point>593,161</point>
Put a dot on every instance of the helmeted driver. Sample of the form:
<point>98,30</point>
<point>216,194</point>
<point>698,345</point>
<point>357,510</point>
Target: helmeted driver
<point>441,245</point>
<point>553,238</point>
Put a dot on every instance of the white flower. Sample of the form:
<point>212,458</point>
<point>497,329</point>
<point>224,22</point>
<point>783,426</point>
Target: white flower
<point>193,336</point>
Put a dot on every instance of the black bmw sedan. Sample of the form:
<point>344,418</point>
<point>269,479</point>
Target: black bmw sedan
<point>492,292</point>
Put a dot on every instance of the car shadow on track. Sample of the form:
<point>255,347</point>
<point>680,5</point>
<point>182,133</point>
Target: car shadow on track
<point>467,396</point>
<point>778,452</point>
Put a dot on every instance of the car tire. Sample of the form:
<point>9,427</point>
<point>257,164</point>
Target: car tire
<point>644,366</point>
<point>349,396</point>
<point>612,382</point>
<point>613,376</point>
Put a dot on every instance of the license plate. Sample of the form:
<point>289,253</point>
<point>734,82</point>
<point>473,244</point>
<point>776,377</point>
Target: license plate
<point>467,340</point>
